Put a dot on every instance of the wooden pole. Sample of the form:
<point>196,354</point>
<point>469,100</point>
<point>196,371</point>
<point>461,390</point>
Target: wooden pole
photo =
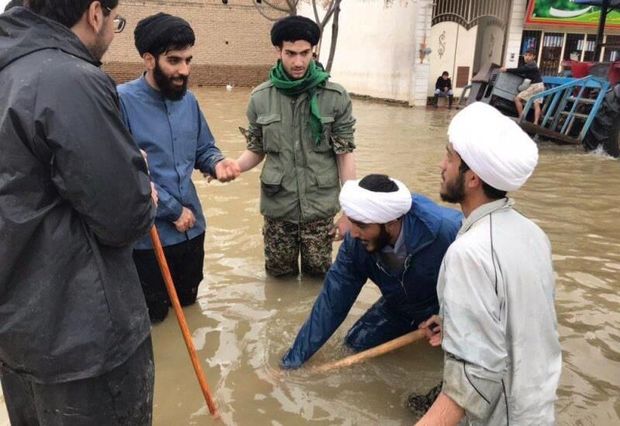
<point>381,349</point>
<point>178,310</point>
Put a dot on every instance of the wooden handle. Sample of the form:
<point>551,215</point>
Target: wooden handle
<point>178,310</point>
<point>381,349</point>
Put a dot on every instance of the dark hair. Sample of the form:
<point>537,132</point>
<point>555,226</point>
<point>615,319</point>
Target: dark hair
<point>530,52</point>
<point>159,33</point>
<point>67,12</point>
<point>378,183</point>
<point>180,39</point>
<point>489,191</point>
<point>444,73</point>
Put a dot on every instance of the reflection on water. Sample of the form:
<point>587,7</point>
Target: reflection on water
<point>244,321</point>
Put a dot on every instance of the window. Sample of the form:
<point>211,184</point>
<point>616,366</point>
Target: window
<point>612,49</point>
<point>529,40</point>
<point>573,47</point>
<point>590,45</point>
<point>550,56</point>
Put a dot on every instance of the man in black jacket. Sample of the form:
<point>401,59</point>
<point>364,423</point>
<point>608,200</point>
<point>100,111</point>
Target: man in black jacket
<point>529,70</point>
<point>443,88</point>
<point>74,195</point>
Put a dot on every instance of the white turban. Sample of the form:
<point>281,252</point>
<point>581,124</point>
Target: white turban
<point>493,146</point>
<point>367,206</point>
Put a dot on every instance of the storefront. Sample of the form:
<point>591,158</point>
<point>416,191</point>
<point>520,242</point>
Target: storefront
<point>560,31</point>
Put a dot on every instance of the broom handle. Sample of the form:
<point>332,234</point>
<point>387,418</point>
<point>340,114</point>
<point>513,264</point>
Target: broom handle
<point>165,271</point>
<point>381,349</point>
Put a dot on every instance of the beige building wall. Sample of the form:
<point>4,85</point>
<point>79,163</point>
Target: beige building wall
<point>232,41</point>
<point>452,47</point>
<point>489,48</point>
<point>378,47</point>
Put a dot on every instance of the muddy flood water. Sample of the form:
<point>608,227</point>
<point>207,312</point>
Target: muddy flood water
<point>244,321</point>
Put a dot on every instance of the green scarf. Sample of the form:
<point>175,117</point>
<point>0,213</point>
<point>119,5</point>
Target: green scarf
<point>315,76</point>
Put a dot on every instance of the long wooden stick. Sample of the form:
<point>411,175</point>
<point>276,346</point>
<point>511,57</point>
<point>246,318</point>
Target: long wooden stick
<point>178,310</point>
<point>381,349</point>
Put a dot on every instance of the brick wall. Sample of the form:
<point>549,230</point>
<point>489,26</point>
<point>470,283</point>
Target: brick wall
<point>232,41</point>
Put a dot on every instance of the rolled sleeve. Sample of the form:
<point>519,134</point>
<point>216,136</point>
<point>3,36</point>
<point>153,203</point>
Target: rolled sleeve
<point>343,129</point>
<point>471,388</point>
<point>254,133</point>
<point>474,336</point>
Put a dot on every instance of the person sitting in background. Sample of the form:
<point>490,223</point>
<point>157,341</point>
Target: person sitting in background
<point>443,88</point>
<point>529,71</point>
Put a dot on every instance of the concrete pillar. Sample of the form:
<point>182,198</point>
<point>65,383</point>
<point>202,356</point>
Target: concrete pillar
<point>420,71</point>
<point>515,32</point>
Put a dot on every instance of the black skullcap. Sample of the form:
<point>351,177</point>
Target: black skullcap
<point>293,28</point>
<point>157,33</point>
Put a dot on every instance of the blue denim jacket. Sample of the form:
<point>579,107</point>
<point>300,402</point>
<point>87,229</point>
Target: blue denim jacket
<point>177,140</point>
<point>429,230</point>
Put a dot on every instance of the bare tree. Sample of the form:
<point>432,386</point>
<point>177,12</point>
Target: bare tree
<point>273,9</point>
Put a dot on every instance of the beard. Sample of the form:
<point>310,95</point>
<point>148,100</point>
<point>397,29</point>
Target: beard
<point>167,88</point>
<point>454,192</point>
<point>99,47</point>
<point>382,240</point>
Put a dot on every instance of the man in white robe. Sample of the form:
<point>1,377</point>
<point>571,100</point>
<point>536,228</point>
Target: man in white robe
<point>497,322</point>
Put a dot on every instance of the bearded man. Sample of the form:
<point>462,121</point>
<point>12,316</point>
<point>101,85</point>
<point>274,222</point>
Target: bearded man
<point>497,324</point>
<point>75,346</point>
<point>167,123</point>
<point>301,123</point>
<point>397,240</point>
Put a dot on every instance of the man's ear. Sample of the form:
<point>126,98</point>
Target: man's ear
<point>392,225</point>
<point>472,180</point>
<point>95,16</point>
<point>149,61</point>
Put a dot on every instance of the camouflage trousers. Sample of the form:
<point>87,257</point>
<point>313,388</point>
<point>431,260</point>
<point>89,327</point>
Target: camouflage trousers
<point>286,241</point>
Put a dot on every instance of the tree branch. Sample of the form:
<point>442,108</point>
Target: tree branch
<point>332,47</point>
<point>292,4</point>
<point>330,11</point>
<point>273,6</point>
<point>316,12</point>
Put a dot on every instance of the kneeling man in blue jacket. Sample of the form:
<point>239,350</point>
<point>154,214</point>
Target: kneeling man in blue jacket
<point>397,240</point>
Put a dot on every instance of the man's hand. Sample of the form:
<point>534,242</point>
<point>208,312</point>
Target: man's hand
<point>186,221</point>
<point>154,195</point>
<point>432,330</point>
<point>341,227</point>
<point>503,69</point>
<point>227,170</point>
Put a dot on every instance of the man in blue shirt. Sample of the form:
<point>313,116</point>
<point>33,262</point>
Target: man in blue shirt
<point>167,123</point>
<point>397,240</point>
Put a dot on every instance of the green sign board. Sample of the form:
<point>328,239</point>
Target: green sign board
<point>565,12</point>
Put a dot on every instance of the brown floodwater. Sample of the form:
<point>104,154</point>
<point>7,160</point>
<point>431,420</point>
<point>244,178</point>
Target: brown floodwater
<point>244,321</point>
